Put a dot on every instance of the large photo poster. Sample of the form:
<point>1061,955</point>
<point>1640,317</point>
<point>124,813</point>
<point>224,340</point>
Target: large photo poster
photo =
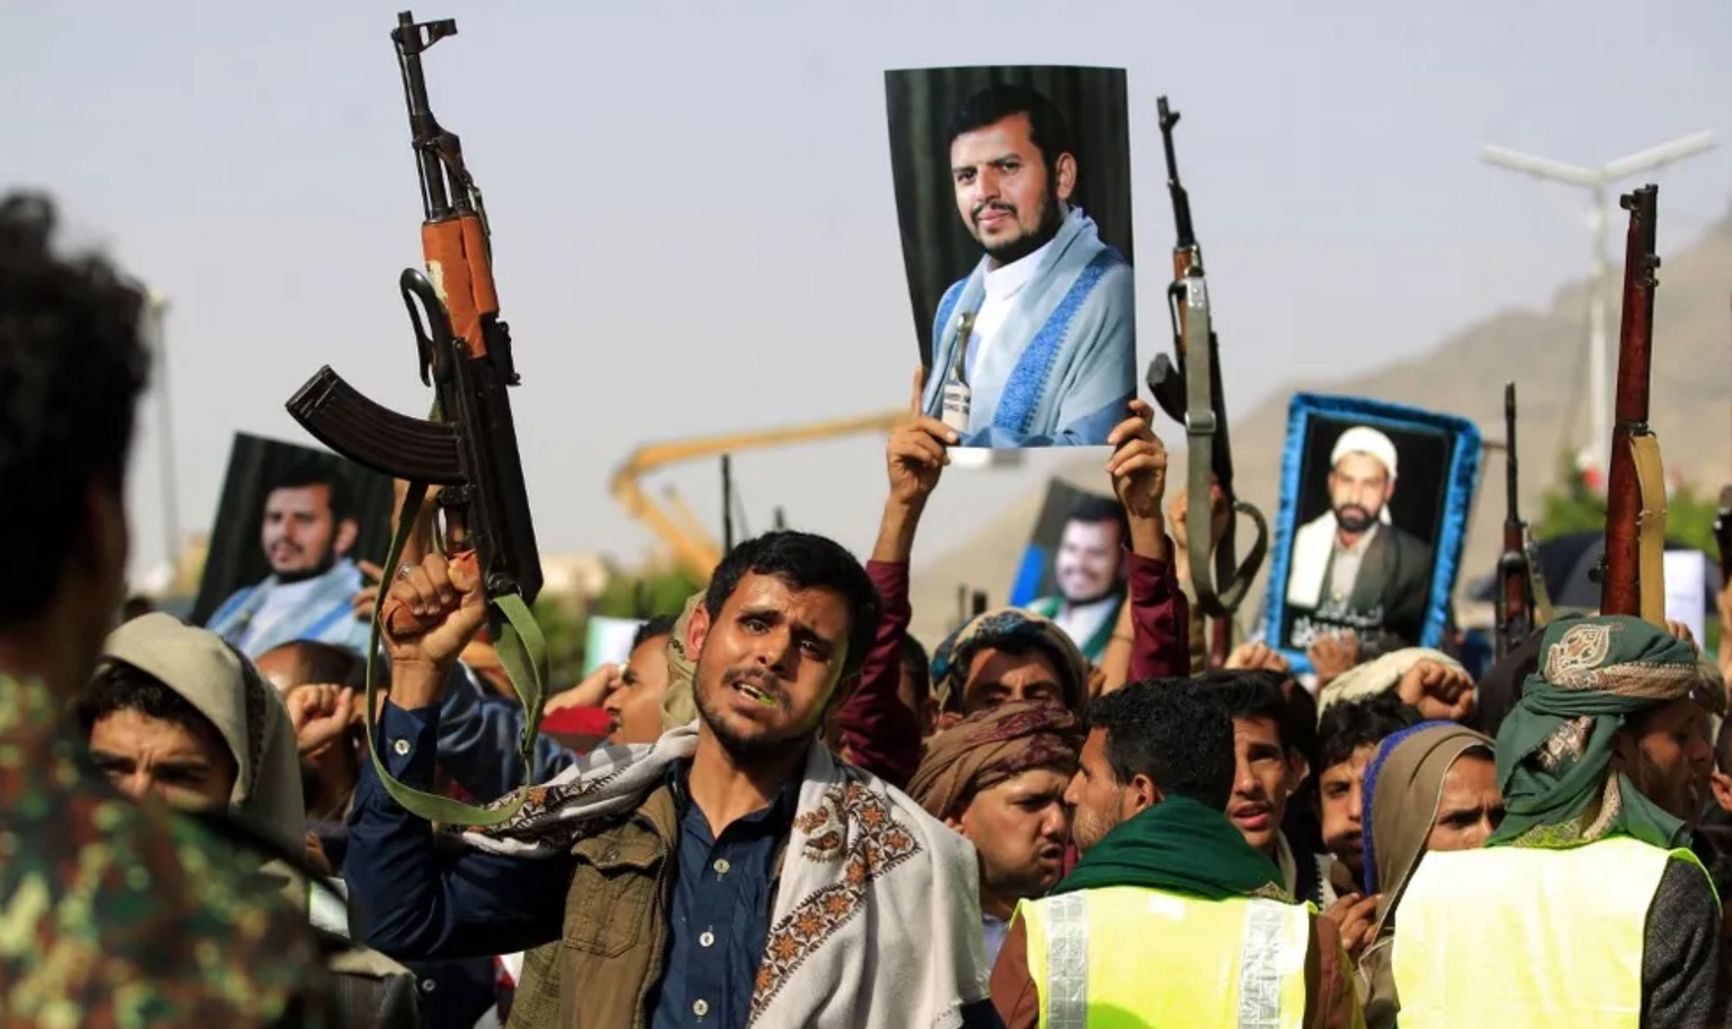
<point>1013,198</point>
<point>1374,506</point>
<point>291,527</point>
<point>1073,570</point>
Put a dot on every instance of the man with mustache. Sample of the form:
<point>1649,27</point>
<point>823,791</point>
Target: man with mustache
<point>1051,357</point>
<point>307,531</point>
<point>1090,570</point>
<point>734,871</point>
<point>1351,566</point>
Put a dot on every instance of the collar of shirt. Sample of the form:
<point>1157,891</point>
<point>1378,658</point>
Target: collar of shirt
<point>1007,280</point>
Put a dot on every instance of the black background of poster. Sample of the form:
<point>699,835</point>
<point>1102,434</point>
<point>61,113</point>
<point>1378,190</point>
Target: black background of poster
<point>236,557</point>
<point>936,248</point>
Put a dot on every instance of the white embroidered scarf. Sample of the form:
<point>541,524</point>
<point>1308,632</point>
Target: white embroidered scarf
<point>877,920</point>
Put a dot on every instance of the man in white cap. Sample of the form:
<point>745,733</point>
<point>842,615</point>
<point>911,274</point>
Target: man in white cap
<point>1352,568</point>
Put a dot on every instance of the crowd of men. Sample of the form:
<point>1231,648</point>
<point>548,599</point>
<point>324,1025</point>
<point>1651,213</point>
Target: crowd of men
<point>801,816</point>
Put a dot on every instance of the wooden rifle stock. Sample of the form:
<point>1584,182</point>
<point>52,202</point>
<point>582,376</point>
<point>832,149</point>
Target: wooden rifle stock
<point>1632,579</point>
<point>1515,595</point>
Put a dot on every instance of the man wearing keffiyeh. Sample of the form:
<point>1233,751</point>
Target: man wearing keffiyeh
<point>1586,905</point>
<point>998,777</point>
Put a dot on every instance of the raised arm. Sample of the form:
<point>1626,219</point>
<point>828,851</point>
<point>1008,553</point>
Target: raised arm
<point>1160,631</point>
<point>415,899</point>
<point>879,732</point>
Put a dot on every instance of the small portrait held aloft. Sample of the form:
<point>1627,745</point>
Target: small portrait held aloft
<point>1368,538</point>
<point>292,529</point>
<point>1013,197</point>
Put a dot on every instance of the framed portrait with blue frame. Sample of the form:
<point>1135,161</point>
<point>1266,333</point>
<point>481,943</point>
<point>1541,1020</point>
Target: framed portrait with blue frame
<point>1374,505</point>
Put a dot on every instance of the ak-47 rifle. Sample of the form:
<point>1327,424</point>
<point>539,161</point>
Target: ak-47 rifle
<point>1633,579</point>
<point>1190,392</point>
<point>1723,534</point>
<point>469,445</point>
<point>1521,593</point>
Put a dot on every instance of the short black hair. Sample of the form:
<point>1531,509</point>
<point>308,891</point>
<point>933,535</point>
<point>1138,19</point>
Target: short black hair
<point>1048,130</point>
<point>118,686</point>
<point>1174,731</point>
<point>326,663</point>
<point>919,665</point>
<point>72,365</point>
<point>1257,693</point>
<point>660,625</point>
<point>1094,510</point>
<point>1365,722</point>
<point>804,561</point>
<point>301,472</point>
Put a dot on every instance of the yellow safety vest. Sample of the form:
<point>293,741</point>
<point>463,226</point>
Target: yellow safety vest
<point>1136,958</point>
<point>1525,936</point>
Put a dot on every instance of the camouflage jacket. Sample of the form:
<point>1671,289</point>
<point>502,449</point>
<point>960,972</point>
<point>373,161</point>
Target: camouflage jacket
<point>119,914</point>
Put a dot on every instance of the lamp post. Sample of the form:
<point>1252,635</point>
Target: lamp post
<point>1598,182</point>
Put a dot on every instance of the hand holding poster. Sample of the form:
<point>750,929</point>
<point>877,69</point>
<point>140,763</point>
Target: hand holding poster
<point>1374,504</point>
<point>1013,197</point>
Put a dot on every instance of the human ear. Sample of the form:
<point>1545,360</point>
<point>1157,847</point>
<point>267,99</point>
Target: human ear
<point>697,630</point>
<point>348,530</point>
<point>1066,174</point>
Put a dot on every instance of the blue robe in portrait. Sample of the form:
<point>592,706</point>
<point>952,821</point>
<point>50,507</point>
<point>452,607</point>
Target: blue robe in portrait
<point>1069,367</point>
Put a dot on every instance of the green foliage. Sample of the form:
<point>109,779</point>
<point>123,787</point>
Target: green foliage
<point>565,622</point>
<point>1569,505</point>
<point>660,592</point>
<point>1572,506</point>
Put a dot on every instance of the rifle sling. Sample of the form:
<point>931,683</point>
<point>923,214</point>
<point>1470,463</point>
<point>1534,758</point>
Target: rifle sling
<point>1650,527</point>
<point>522,650</point>
<point>1200,426</point>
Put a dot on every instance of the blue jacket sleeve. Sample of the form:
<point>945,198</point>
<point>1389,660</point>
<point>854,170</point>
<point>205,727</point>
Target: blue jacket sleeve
<point>479,741</point>
<point>416,898</point>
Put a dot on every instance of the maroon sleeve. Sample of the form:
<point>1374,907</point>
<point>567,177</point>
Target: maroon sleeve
<point>880,732</point>
<point>1160,620</point>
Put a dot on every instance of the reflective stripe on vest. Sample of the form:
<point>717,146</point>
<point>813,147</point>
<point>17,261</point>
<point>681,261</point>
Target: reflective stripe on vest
<point>1524,936</point>
<point>1124,956</point>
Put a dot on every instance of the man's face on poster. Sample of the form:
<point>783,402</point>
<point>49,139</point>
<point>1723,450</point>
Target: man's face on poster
<point>1008,201</point>
<point>1089,560</point>
<point>1359,487</point>
<point>301,534</point>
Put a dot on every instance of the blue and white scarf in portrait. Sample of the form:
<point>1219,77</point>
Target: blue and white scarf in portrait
<point>325,614</point>
<point>1070,368</point>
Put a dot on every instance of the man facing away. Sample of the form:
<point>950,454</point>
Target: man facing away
<point>1090,570</point>
<point>115,913</point>
<point>307,532</point>
<point>732,872</point>
<point>1051,358</point>
<point>1171,918</point>
<point>1352,566</point>
<point>1585,907</point>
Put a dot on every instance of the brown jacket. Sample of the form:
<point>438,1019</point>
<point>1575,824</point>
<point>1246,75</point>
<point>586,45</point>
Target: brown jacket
<point>601,973</point>
<point>1330,1000</point>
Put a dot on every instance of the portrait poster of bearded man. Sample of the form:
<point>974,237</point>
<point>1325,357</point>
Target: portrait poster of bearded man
<point>292,526</point>
<point>1373,514</point>
<point>1013,199</point>
<point>1073,570</point>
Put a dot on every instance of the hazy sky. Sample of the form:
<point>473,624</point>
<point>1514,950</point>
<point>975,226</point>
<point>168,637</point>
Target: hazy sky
<point>693,218</point>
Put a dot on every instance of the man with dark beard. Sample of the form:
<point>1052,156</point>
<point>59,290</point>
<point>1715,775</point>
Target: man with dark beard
<point>1050,356</point>
<point>733,871</point>
<point>1352,567</point>
<point>1090,571</point>
<point>307,531</point>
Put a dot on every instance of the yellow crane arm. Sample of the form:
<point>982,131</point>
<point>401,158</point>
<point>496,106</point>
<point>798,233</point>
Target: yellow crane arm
<point>696,552</point>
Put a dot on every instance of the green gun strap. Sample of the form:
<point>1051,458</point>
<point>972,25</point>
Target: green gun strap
<point>523,652</point>
<point>1200,426</point>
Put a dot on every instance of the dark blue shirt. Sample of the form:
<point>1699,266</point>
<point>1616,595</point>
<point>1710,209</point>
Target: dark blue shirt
<point>719,918</point>
<point>416,900</point>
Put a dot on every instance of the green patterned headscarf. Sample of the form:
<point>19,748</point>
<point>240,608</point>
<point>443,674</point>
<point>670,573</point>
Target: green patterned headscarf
<point>1554,751</point>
